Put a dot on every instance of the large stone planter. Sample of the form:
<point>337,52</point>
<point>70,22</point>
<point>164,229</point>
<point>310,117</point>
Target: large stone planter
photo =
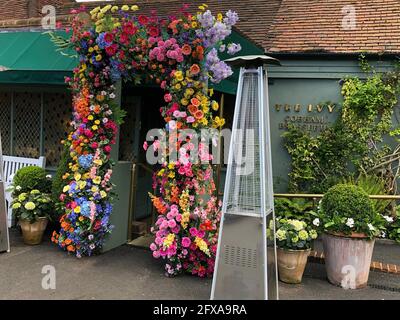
<point>347,259</point>
<point>291,264</point>
<point>32,233</point>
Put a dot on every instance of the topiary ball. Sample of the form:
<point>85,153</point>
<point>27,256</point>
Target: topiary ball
<point>348,201</point>
<point>32,177</point>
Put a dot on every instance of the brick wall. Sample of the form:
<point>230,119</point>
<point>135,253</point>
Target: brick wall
<point>23,9</point>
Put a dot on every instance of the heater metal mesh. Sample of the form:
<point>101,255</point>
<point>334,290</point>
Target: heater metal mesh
<point>244,196</point>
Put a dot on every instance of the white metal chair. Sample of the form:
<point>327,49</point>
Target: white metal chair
<point>10,166</point>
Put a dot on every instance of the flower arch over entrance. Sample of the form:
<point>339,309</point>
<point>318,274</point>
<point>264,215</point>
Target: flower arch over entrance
<point>181,55</point>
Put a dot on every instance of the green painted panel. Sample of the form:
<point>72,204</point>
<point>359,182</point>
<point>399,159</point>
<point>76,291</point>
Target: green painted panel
<point>120,215</point>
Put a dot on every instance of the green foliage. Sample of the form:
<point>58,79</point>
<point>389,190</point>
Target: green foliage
<point>372,185</point>
<point>292,234</point>
<point>354,142</point>
<point>30,178</point>
<point>58,181</point>
<point>32,205</point>
<point>347,208</point>
<point>299,209</point>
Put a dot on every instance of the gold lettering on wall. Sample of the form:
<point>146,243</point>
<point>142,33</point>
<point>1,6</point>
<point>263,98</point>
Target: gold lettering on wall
<point>310,108</point>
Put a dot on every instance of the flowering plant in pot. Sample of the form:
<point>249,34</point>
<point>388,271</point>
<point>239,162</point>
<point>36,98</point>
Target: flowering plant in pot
<point>293,239</point>
<point>32,211</point>
<point>350,225</point>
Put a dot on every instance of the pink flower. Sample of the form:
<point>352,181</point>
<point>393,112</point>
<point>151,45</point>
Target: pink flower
<point>186,242</point>
<point>156,254</point>
<point>107,149</point>
<point>193,232</point>
<point>190,119</point>
<point>200,233</point>
<point>145,145</point>
<point>168,97</point>
<point>172,223</point>
<point>153,247</point>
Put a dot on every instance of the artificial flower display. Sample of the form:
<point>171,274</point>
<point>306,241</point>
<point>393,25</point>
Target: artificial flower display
<point>180,54</point>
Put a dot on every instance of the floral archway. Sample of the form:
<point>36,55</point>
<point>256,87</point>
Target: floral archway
<point>180,53</point>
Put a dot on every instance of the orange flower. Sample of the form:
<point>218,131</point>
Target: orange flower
<point>195,102</point>
<point>186,49</point>
<point>96,108</point>
<point>192,109</point>
<point>199,114</point>
<point>68,241</point>
<point>71,248</point>
<point>195,69</point>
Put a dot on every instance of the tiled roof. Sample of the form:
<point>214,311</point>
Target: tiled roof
<point>326,26</point>
<point>288,26</point>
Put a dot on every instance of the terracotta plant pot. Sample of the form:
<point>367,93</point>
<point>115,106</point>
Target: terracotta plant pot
<point>291,264</point>
<point>347,259</point>
<point>32,233</point>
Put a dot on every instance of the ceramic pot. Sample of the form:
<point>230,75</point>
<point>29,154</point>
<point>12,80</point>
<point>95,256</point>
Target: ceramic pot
<point>347,259</point>
<point>291,264</point>
<point>32,233</point>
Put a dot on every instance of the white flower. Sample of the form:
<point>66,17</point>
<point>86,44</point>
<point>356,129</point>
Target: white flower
<point>316,222</point>
<point>112,95</point>
<point>18,188</point>
<point>371,227</point>
<point>48,176</point>
<point>383,234</point>
<point>350,222</point>
<point>388,219</point>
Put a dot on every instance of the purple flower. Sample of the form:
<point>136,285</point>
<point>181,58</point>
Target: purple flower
<point>231,18</point>
<point>234,48</point>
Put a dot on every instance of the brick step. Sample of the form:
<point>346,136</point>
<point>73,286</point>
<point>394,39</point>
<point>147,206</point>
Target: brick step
<point>318,257</point>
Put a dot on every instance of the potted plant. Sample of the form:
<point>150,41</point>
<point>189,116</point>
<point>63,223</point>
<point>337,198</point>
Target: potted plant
<point>32,211</point>
<point>350,225</point>
<point>293,239</point>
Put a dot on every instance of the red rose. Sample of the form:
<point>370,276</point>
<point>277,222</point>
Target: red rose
<point>153,31</point>
<point>143,20</point>
<point>109,37</point>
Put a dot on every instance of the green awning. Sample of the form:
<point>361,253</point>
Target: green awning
<point>248,48</point>
<point>30,57</point>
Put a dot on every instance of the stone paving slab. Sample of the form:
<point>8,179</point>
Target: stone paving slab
<point>132,273</point>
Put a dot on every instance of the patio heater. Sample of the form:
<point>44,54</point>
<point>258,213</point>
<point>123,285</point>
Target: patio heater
<point>4,237</point>
<point>245,266</point>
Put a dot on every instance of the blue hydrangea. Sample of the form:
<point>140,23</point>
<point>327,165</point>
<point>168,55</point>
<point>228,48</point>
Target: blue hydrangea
<point>85,209</point>
<point>85,161</point>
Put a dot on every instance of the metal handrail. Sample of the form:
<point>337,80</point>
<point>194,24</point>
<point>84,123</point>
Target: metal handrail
<point>319,196</point>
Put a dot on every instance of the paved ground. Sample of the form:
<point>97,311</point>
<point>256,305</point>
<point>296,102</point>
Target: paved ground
<point>130,273</point>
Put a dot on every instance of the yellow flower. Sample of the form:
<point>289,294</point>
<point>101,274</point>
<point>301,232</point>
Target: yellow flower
<point>169,240</point>
<point>35,191</point>
<point>77,209</point>
<point>99,29</point>
<point>194,24</point>
<point>97,121</point>
<point>77,176</point>
<point>95,127</point>
<point>215,105</point>
<point>66,188</point>
<point>22,197</point>
<point>103,194</point>
<point>202,245</point>
<point>171,175</point>
<point>95,10</point>
<point>178,86</point>
<point>90,49</point>
<point>114,9</point>
<point>98,57</point>
<point>81,184</point>
<point>303,235</point>
<point>219,16</point>
<point>218,122</point>
<point>94,189</point>
<point>97,180</point>
<point>211,92</point>
<point>106,8</point>
<point>125,8</point>
<point>16,205</point>
<point>81,218</point>
<point>30,205</point>
<point>185,219</point>
<point>171,165</point>
<point>135,8</point>
<point>98,162</point>
<point>184,102</point>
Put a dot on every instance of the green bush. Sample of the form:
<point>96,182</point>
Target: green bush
<point>347,208</point>
<point>299,209</point>
<point>30,178</point>
<point>58,181</point>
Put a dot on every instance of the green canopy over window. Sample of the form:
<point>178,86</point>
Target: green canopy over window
<point>29,57</point>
